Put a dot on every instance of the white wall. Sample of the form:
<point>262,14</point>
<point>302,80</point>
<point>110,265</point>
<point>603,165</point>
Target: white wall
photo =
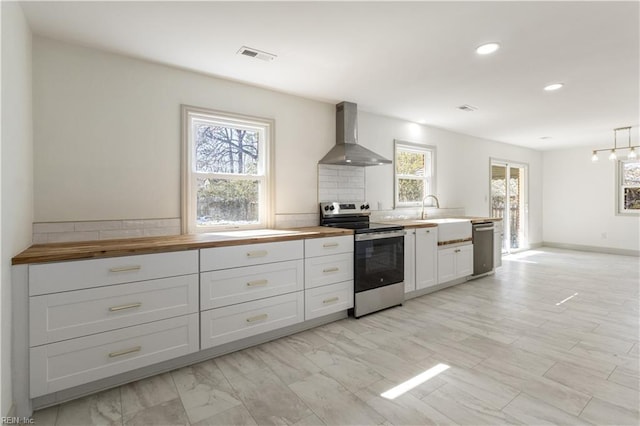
<point>16,170</point>
<point>462,167</point>
<point>107,134</point>
<point>579,203</point>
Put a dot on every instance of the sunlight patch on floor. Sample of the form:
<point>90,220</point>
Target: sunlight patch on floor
<point>402,388</point>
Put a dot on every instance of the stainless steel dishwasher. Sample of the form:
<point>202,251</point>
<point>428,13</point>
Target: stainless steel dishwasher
<point>482,248</point>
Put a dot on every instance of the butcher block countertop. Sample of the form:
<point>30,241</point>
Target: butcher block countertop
<point>58,252</point>
<point>415,223</point>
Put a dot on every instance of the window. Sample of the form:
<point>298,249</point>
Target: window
<point>628,192</point>
<point>414,173</point>
<point>226,164</point>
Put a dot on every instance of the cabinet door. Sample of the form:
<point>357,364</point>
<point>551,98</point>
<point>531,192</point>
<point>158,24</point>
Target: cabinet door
<point>497,246</point>
<point>446,265</point>
<point>464,260</point>
<point>409,260</point>
<point>426,261</point>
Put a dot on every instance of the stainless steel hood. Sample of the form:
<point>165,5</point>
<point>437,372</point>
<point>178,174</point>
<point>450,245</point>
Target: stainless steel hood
<point>347,152</point>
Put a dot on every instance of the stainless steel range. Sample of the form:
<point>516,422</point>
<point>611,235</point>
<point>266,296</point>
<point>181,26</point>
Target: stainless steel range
<point>378,256</point>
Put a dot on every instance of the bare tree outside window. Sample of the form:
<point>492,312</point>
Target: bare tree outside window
<point>228,180</point>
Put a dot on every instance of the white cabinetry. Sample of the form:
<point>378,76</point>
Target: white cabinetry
<point>250,289</point>
<point>497,243</point>
<point>455,262</point>
<point>409,260</point>
<point>420,258</point>
<point>426,257</point>
<point>92,319</point>
<point>328,276</point>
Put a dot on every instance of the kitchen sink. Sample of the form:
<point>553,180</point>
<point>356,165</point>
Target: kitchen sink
<point>450,229</point>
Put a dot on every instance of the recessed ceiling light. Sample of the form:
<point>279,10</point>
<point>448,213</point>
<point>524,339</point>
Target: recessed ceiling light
<point>487,48</point>
<point>554,86</point>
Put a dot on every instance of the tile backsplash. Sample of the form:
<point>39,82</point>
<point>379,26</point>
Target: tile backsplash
<point>59,232</point>
<point>340,183</point>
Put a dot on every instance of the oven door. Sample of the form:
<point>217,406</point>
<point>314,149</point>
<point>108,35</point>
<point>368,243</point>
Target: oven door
<point>379,259</point>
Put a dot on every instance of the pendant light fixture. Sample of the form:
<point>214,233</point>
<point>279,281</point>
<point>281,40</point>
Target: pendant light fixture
<point>613,151</point>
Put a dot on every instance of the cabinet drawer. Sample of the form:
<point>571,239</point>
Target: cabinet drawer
<point>223,325</point>
<point>74,362</point>
<point>61,316</point>
<point>319,271</point>
<point>81,274</point>
<point>328,299</point>
<point>237,285</point>
<point>247,255</point>
<point>329,245</point>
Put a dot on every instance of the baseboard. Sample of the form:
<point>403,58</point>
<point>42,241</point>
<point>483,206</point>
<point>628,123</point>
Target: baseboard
<point>593,249</point>
<point>535,245</point>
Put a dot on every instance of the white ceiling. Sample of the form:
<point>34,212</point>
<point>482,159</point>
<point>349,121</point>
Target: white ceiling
<point>411,60</point>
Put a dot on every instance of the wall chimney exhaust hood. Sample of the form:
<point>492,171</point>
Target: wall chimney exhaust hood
<point>347,152</point>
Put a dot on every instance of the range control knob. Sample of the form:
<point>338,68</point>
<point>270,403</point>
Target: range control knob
<point>326,208</point>
<point>366,206</point>
<point>332,208</point>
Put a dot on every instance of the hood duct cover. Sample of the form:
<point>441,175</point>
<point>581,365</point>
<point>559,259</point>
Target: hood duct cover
<point>347,152</point>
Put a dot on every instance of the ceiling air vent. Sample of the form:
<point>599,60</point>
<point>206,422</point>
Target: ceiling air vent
<point>467,108</point>
<point>255,53</point>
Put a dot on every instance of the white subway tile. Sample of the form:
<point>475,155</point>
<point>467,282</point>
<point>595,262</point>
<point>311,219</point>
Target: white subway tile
<point>133,224</point>
<point>158,232</point>
<point>49,227</point>
<point>65,237</point>
<point>99,225</point>
<point>121,233</point>
<point>40,238</point>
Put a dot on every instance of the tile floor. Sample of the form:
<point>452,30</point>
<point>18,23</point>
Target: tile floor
<point>551,338</point>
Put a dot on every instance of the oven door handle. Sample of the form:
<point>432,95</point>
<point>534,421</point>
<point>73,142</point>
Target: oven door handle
<point>379,235</point>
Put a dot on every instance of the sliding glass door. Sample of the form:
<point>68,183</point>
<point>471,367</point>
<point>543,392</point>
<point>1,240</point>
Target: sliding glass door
<point>509,201</point>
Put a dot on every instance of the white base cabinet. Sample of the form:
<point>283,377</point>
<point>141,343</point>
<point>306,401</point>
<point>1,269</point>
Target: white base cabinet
<point>426,257</point>
<point>75,362</point>
<point>498,234</point>
<point>420,258</point>
<point>455,262</point>
<point>224,325</point>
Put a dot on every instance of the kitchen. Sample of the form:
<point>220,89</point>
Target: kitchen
<point>133,175</point>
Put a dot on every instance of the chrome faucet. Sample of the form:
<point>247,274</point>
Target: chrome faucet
<point>423,200</point>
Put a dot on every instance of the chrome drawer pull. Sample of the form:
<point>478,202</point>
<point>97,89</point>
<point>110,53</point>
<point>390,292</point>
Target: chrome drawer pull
<point>125,351</point>
<point>457,250</point>
<point>258,253</point>
<point>257,283</point>
<point>125,268</point>
<point>330,270</point>
<point>332,300</point>
<point>257,318</point>
<point>428,231</point>
<point>123,307</point>
<point>330,245</point>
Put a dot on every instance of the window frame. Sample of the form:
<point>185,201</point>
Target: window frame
<point>189,176</point>
<point>620,210</point>
<point>429,187</point>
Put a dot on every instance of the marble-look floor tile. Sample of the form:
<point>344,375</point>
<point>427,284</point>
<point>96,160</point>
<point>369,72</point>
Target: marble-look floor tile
<point>169,413</point>
<point>540,387</point>
<point>338,365</point>
<point>490,391</point>
<point>102,408</point>
<point>465,409</point>
<point>334,404</point>
<point>532,411</point>
<point>241,362</point>
<point>405,409</point>
<point>625,377</point>
<point>312,420</point>
<point>204,390</point>
<point>289,365</point>
<point>46,416</point>
<point>146,393</point>
<point>268,399</point>
<point>345,339</point>
<point>600,412</point>
<point>237,415</point>
<point>583,381</point>
<point>305,341</point>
